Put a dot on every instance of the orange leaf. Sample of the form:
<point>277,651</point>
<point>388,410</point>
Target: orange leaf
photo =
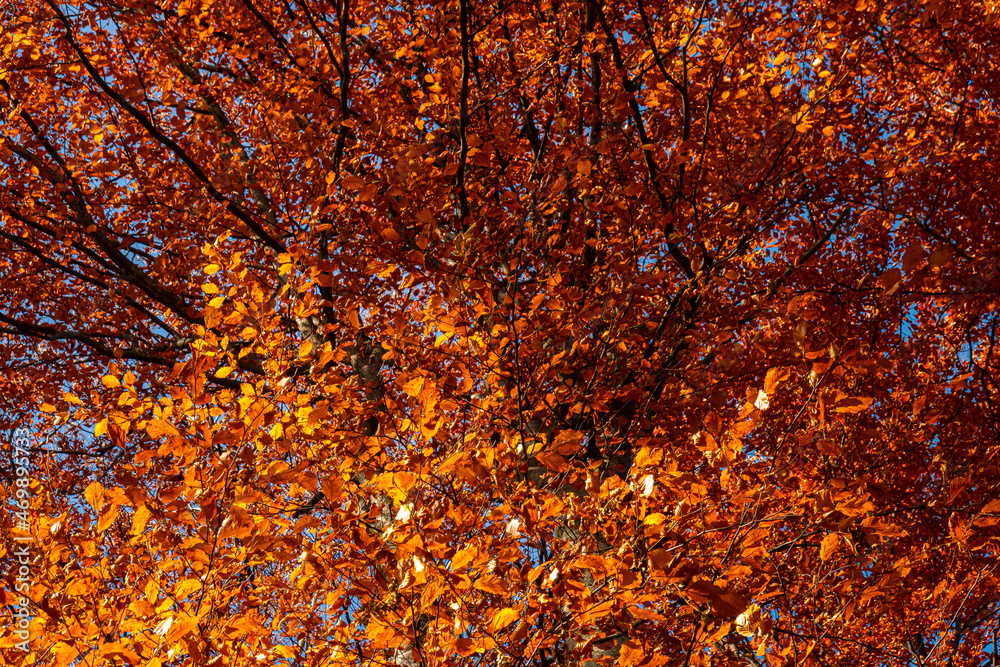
<point>95,495</point>
<point>596,611</point>
<point>462,558</point>
<point>552,461</point>
<point>829,546</point>
<point>852,405</point>
<point>157,428</point>
<point>64,654</point>
<point>108,517</point>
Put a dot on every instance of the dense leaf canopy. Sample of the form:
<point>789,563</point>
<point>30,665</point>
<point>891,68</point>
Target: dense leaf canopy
<point>529,333</point>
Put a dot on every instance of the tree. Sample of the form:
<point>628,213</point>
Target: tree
<point>531,333</point>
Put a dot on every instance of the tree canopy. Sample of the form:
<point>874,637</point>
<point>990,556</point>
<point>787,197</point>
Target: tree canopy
<point>531,334</point>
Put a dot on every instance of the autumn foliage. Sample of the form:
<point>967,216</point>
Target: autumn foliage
<point>541,333</point>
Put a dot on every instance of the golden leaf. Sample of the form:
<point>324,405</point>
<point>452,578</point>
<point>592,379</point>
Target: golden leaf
<point>463,558</point>
<point>186,587</point>
<point>157,428</point>
<point>139,520</point>
<point>95,495</point>
<point>503,618</point>
<point>107,518</point>
<point>828,547</point>
<point>64,654</point>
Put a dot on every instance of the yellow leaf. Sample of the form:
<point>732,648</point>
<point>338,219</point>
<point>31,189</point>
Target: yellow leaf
<point>111,382</point>
<point>781,58</point>
<point>533,448</point>
<point>654,519</point>
<point>503,618</point>
<point>101,428</point>
<point>286,652</point>
<point>212,269</point>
